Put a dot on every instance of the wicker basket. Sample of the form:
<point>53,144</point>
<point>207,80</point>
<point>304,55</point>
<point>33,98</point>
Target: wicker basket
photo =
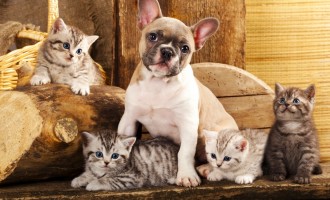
<point>13,61</point>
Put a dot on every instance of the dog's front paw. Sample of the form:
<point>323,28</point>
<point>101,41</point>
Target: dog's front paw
<point>244,179</point>
<point>95,186</point>
<point>39,80</point>
<point>80,88</point>
<point>214,175</point>
<point>302,179</point>
<point>188,178</point>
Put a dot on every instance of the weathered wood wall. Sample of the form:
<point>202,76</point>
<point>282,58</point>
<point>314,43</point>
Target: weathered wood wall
<point>115,22</point>
<point>227,45</point>
<point>289,42</point>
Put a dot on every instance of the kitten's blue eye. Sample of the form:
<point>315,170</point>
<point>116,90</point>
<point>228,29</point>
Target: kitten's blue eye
<point>226,158</point>
<point>66,45</point>
<point>115,156</point>
<point>79,51</point>
<point>296,101</point>
<point>213,156</point>
<point>282,100</point>
<point>99,154</point>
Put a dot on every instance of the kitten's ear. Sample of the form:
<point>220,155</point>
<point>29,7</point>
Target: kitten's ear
<point>87,138</point>
<point>204,29</point>
<point>310,91</point>
<point>278,88</point>
<point>128,142</point>
<point>58,26</point>
<point>91,39</point>
<point>210,136</point>
<point>242,144</point>
<point>149,10</point>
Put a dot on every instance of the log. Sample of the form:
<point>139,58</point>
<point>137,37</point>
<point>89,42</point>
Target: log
<point>40,126</point>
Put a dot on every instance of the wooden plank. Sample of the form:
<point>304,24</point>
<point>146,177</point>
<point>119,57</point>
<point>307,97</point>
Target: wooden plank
<point>262,188</point>
<point>289,42</point>
<point>250,111</point>
<point>227,45</point>
<point>225,80</point>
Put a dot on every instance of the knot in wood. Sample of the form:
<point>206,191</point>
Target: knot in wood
<point>66,130</point>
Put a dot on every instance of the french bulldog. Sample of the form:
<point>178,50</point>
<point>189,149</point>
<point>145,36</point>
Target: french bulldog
<point>163,93</point>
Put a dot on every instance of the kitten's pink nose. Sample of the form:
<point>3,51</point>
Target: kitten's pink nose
<point>106,163</point>
<point>219,165</point>
<point>71,56</point>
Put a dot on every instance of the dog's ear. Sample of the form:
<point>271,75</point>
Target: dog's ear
<point>203,29</point>
<point>149,10</point>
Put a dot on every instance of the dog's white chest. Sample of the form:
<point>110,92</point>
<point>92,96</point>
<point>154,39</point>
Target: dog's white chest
<point>160,106</point>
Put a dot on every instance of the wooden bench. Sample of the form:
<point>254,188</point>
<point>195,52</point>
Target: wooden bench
<point>245,97</point>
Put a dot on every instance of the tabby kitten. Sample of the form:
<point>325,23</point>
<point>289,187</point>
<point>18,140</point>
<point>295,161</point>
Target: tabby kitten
<point>234,155</point>
<point>64,58</point>
<point>293,147</point>
<point>115,162</point>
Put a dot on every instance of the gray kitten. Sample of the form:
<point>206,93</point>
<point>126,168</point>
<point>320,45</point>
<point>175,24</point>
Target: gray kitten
<point>64,58</point>
<point>234,155</point>
<point>293,148</point>
<point>115,162</point>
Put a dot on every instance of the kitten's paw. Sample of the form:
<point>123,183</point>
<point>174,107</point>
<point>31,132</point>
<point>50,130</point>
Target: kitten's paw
<point>95,186</point>
<point>79,88</point>
<point>277,177</point>
<point>302,179</point>
<point>244,179</point>
<point>78,182</point>
<point>39,80</point>
<point>204,170</point>
<point>188,178</point>
<point>171,181</point>
<point>215,175</point>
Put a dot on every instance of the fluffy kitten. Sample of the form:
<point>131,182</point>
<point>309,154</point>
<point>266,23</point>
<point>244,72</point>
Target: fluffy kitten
<point>114,162</point>
<point>234,155</point>
<point>63,58</point>
<point>293,147</point>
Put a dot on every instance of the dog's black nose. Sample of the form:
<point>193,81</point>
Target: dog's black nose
<point>167,53</point>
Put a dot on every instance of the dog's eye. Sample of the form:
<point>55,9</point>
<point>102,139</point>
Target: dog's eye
<point>185,49</point>
<point>152,37</point>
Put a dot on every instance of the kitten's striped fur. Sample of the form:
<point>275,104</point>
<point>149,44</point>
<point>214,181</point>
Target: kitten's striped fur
<point>234,155</point>
<point>293,148</point>
<point>146,163</point>
<point>64,58</point>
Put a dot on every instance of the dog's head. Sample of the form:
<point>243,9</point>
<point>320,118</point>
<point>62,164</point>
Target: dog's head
<point>167,44</point>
